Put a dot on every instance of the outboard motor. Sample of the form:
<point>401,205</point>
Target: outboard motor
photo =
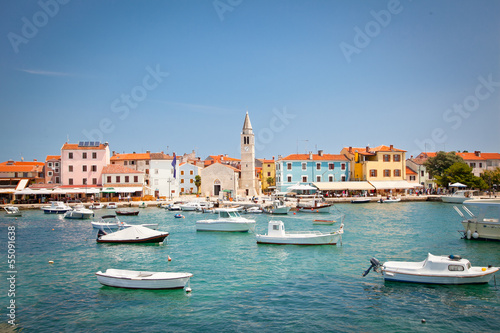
<point>375,264</point>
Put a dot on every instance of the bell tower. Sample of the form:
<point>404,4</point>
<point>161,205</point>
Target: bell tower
<point>248,182</point>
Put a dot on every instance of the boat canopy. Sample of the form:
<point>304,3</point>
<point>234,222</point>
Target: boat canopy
<point>132,233</point>
<point>340,186</point>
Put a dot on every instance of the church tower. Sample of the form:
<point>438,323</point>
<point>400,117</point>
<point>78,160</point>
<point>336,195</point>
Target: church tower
<point>248,181</point>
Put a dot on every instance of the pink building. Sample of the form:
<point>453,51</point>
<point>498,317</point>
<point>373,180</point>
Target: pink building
<point>82,163</point>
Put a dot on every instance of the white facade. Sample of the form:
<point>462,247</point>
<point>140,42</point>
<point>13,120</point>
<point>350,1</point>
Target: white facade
<point>218,177</point>
<point>161,178</point>
<point>188,172</point>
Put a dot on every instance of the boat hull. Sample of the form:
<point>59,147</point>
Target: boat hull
<point>450,199</point>
<point>154,281</point>
<point>329,239</point>
<point>481,230</point>
<point>322,209</point>
<point>79,215</point>
<point>438,279</point>
<point>227,226</point>
<point>133,213</point>
<point>115,226</point>
<point>154,239</point>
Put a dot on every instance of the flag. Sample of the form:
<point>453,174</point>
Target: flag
<point>174,161</point>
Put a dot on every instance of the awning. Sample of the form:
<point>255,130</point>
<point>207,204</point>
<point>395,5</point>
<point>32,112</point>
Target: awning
<point>340,186</point>
<point>7,190</point>
<point>457,185</point>
<point>108,190</point>
<point>22,184</point>
<point>301,187</point>
<point>127,189</point>
<point>392,184</point>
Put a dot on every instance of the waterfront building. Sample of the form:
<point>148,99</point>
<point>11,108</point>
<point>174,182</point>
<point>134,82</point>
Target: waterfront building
<point>417,165</point>
<point>248,183</point>
<point>164,175</point>
<point>268,171</point>
<point>53,169</point>
<point>188,172</point>
<point>411,177</point>
<point>82,163</point>
<point>310,168</point>
<point>218,178</point>
<point>16,175</point>
<point>118,180</point>
<point>136,161</point>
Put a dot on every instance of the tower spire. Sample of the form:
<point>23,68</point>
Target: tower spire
<point>247,126</point>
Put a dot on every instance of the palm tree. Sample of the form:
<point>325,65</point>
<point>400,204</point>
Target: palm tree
<point>197,183</point>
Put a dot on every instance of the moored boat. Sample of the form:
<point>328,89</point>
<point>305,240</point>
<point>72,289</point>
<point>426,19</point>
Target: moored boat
<point>434,270</point>
<point>127,212</point>
<point>389,199</point>
<point>228,220</point>
<point>276,235</point>
<point>486,225</point>
<point>79,212</point>
<point>12,211</point>
<point>360,200</point>
<point>143,279</point>
<point>132,234</point>
<point>111,222</point>
<point>56,207</point>
<point>112,205</point>
<point>277,208</point>
<point>459,196</point>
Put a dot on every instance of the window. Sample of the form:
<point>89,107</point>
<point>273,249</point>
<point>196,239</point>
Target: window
<point>70,181</point>
<point>304,166</point>
<point>182,181</point>
<point>331,166</point>
<point>127,179</point>
<point>84,181</point>
<point>191,172</point>
<point>276,227</point>
<point>342,166</point>
<point>147,162</point>
<point>289,179</point>
<point>387,173</point>
<point>136,179</point>
<point>373,173</point>
<point>343,178</point>
<point>421,173</point>
<point>289,166</point>
<point>94,155</point>
<point>191,181</point>
<point>330,178</point>
<point>269,165</point>
<point>125,162</point>
<point>70,156</point>
<point>318,178</point>
<point>57,180</point>
<point>304,179</point>
<point>318,166</point>
<point>84,155</point>
<point>56,170</point>
<point>455,268</point>
<point>56,164</point>
<point>473,165</point>
<point>269,174</point>
<point>396,158</point>
<point>70,168</point>
<point>182,189</point>
<point>49,173</point>
<point>397,173</point>
<point>94,168</point>
<point>182,172</point>
<point>108,179</point>
<point>117,179</point>
<point>49,164</point>
<point>412,177</point>
<point>94,181</point>
<point>84,168</point>
<point>132,162</point>
<point>387,158</point>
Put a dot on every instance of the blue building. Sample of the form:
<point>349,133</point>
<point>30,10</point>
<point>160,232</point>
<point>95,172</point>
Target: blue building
<point>310,168</point>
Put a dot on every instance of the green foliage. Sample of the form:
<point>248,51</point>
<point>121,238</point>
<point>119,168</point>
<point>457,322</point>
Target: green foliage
<point>437,165</point>
<point>491,177</point>
<point>270,181</point>
<point>197,183</point>
<point>462,173</point>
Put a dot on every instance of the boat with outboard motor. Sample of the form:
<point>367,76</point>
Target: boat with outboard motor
<point>276,235</point>
<point>79,212</point>
<point>56,207</point>
<point>229,219</point>
<point>450,269</point>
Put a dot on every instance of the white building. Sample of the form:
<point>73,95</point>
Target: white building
<point>217,178</point>
<point>188,172</point>
<point>164,175</point>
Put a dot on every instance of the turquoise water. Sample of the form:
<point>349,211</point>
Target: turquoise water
<point>241,286</point>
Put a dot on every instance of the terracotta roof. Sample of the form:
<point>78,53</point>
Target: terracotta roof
<point>127,157</point>
<point>75,146</point>
<point>53,157</point>
<point>491,156</point>
<point>227,166</point>
<point>117,168</point>
<point>410,171</point>
<point>315,157</point>
<point>13,166</point>
<point>223,158</point>
<point>371,151</point>
<point>386,148</point>
<point>471,157</point>
<point>266,161</point>
<point>160,156</point>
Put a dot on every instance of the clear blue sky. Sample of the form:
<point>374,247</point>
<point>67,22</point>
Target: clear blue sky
<point>312,75</point>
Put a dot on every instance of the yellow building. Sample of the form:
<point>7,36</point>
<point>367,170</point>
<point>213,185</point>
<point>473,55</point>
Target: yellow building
<point>381,163</point>
<point>268,170</point>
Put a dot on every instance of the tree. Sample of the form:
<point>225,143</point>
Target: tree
<point>460,172</point>
<point>438,164</point>
<point>197,183</point>
<point>491,177</point>
<point>270,181</point>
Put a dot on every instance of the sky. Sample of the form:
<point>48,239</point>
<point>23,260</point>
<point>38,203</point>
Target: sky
<point>177,76</point>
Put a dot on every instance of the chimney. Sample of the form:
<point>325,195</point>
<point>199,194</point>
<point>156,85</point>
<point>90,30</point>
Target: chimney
<point>273,158</point>
<point>350,149</point>
<point>34,160</point>
<point>280,157</point>
<point>310,155</point>
<point>367,149</point>
<point>477,153</point>
<point>148,151</point>
<point>391,147</point>
<point>411,157</point>
<point>113,153</point>
<point>133,152</point>
<point>320,152</point>
<point>10,162</point>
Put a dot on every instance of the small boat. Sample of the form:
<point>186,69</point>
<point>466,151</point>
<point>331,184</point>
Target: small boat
<point>204,205</point>
<point>127,212</point>
<point>360,200</point>
<point>56,207</point>
<point>111,223</point>
<point>324,222</point>
<point>112,205</point>
<point>143,205</point>
<point>96,205</point>
<point>179,216</point>
<point>174,207</point>
<point>132,234</point>
<point>276,235</point>
<point>434,270</point>
<point>190,206</point>
<point>12,211</point>
<point>142,279</point>
<point>459,196</point>
<point>229,219</point>
<point>79,212</point>
<point>389,199</point>
<point>253,210</point>
<point>277,208</point>
<point>314,206</point>
<point>484,226</point>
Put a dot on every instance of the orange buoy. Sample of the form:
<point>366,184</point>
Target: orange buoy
<point>169,259</point>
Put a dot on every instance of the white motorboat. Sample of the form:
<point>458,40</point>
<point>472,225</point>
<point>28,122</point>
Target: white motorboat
<point>360,200</point>
<point>112,223</point>
<point>12,211</point>
<point>112,205</point>
<point>228,220</point>
<point>253,210</point>
<point>277,208</point>
<point>56,207</point>
<point>143,279</point>
<point>314,207</point>
<point>174,207</point>
<point>96,205</point>
<point>132,234</point>
<point>459,196</point>
<point>204,205</point>
<point>276,235</point>
<point>190,206</point>
<point>79,212</point>
<point>389,199</point>
<point>434,270</point>
<point>486,225</point>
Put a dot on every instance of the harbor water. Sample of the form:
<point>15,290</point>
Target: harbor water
<point>241,286</point>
